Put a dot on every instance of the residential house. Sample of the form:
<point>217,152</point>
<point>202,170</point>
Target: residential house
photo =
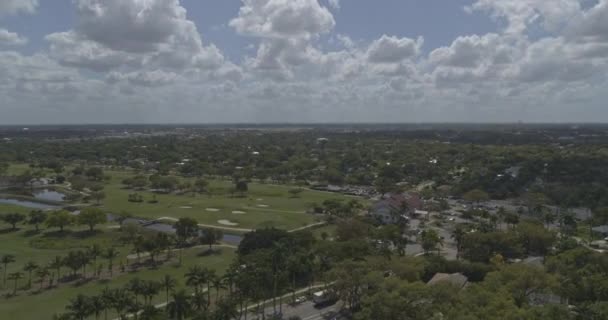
<point>456,279</point>
<point>395,206</point>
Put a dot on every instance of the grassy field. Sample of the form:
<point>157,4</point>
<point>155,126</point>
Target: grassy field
<point>54,301</point>
<point>264,205</point>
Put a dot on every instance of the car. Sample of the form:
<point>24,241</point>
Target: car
<point>300,299</point>
<point>452,219</point>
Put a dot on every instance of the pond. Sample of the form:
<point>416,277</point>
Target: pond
<point>28,204</point>
<point>232,239</point>
<point>49,195</point>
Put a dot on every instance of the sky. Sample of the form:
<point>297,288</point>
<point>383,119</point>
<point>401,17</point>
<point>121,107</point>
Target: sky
<point>303,61</point>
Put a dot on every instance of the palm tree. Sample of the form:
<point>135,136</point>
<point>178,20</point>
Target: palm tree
<point>107,296</point>
<point>80,307</point>
<point>458,235</point>
<point>110,254</point>
<point>93,252</point>
<point>199,301</point>
<point>225,310</point>
<point>42,273</point>
<point>149,313</point>
<point>135,285</point>
<point>6,259</point>
<point>278,256</point>
<point>56,264</point>
<point>196,277</point>
<point>149,290</point>
<point>98,305</point>
<point>30,267</point>
<point>180,307</point>
<point>168,283</point>
<point>218,284</point>
<point>15,276</point>
<point>120,301</point>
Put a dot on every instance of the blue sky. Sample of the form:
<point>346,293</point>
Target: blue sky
<point>66,61</point>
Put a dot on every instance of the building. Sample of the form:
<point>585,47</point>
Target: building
<point>456,279</point>
<point>601,230</point>
<point>390,208</point>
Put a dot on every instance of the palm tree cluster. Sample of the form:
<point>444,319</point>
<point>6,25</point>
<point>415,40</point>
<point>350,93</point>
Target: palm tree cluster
<point>76,261</point>
<point>135,300</point>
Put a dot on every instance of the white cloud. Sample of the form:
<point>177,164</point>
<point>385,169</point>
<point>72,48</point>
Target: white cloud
<point>283,19</point>
<point>11,7</point>
<point>11,39</point>
<point>125,33</point>
<point>334,4</point>
<point>150,55</point>
<point>520,14</point>
<point>392,49</point>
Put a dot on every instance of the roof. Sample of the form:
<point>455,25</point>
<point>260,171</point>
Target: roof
<point>534,261</point>
<point>601,229</point>
<point>457,279</point>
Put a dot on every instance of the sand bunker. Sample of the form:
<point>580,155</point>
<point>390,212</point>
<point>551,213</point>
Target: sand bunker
<point>227,223</point>
<point>239,212</point>
<point>263,205</point>
<point>185,207</point>
<point>212,209</point>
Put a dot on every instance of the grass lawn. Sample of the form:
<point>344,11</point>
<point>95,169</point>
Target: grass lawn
<point>264,205</point>
<point>44,305</point>
<point>11,208</point>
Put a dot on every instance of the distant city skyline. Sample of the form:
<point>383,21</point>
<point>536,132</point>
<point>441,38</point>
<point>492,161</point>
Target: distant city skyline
<point>303,61</point>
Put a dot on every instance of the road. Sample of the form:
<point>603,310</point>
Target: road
<point>306,311</point>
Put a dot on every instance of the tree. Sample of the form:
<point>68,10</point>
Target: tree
<point>42,274</point>
<point>59,219</point>
<point>458,234</point>
<point>56,264</point>
<point>91,217</point>
<point>110,254</point>
<point>15,276</point>
<point>211,236</point>
<point>476,196</point>
<point>13,219</point>
<point>80,307</point>
<point>98,305</point>
<point>185,229</point>
<point>200,185</point>
<point>6,260</point>
<point>168,283</point>
<point>30,267</point>
<point>122,217</point>
<point>430,240</point>
<point>241,187</point>
<point>98,196</point>
<point>180,308</point>
<point>37,217</point>
<point>93,252</point>
<point>94,173</point>
<point>521,281</point>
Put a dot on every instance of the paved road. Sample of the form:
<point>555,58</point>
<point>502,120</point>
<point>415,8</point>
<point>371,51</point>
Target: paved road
<point>306,311</point>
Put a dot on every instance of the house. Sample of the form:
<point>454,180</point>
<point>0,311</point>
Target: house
<point>601,230</point>
<point>391,207</point>
<point>456,279</point>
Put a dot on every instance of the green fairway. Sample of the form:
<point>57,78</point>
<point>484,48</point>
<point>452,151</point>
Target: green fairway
<point>264,205</point>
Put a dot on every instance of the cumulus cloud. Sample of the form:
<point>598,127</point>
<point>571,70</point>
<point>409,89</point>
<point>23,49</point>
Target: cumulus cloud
<point>546,58</point>
<point>390,49</point>
<point>334,4</point>
<point>520,14</point>
<point>283,18</point>
<point>117,33</point>
<point>8,38</point>
<point>11,7</point>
